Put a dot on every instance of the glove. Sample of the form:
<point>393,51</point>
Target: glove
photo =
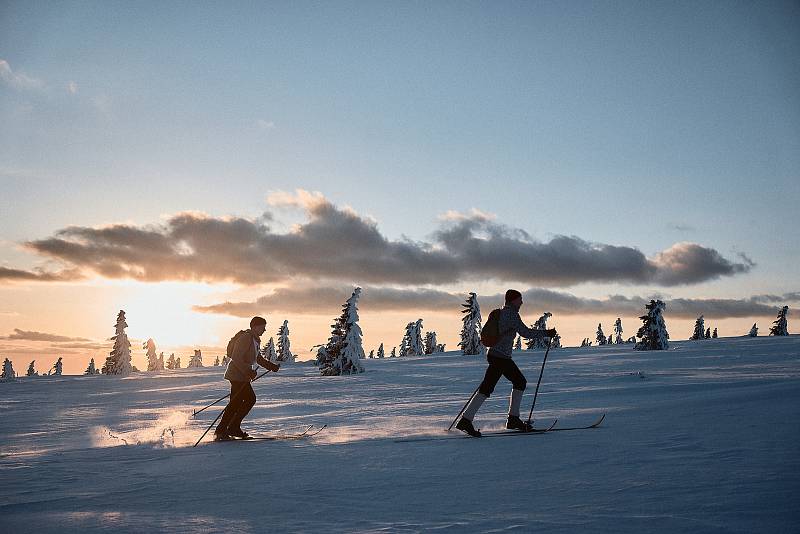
<point>273,367</point>
<point>253,374</point>
<point>551,332</point>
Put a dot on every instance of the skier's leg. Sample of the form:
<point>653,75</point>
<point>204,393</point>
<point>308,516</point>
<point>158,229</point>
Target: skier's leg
<point>248,400</point>
<point>230,410</point>
<point>517,379</point>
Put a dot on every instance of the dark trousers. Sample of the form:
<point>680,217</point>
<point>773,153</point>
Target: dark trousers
<point>243,398</point>
<point>501,367</point>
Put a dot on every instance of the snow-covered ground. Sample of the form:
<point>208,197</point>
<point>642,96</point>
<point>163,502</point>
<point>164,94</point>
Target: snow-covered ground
<point>701,438</point>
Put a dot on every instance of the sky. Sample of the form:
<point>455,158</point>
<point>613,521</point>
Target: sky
<point>195,164</point>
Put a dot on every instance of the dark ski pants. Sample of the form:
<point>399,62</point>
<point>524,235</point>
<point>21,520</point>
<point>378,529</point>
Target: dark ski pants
<point>501,367</point>
<point>243,398</point>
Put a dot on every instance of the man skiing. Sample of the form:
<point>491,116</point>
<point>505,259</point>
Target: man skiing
<point>501,364</point>
<point>245,356</point>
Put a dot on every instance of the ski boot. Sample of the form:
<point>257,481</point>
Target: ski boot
<point>465,425</point>
<point>515,423</point>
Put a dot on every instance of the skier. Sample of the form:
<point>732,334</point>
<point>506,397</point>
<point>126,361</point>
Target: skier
<point>245,356</point>
<point>501,364</point>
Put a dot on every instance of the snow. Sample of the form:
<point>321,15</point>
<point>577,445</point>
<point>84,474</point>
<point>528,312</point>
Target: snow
<point>701,437</point>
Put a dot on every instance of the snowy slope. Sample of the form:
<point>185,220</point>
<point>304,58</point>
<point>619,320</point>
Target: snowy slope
<point>701,438</point>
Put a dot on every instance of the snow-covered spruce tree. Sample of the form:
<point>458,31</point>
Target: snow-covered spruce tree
<point>284,346</point>
<point>381,354</point>
<point>714,334</point>
<point>8,370</point>
<point>154,363</point>
<point>780,327</point>
<point>600,337</point>
<point>178,362</point>
<point>753,331</point>
<point>653,332</point>
<point>171,361</point>
<point>471,330</point>
<point>540,324</point>
<point>585,342</point>
<point>91,369</point>
<point>556,344</point>
<point>57,368</point>
<point>440,347</point>
<point>618,332</point>
<point>216,362</point>
<point>518,343</point>
<point>416,347</point>
<point>371,354</point>
<point>268,352</point>
<point>393,354</point>
<point>430,342</point>
<point>406,341</point>
<point>32,369</point>
<point>708,333</point>
<point>118,361</point>
<point>196,360</point>
<point>699,329</point>
<point>225,360</point>
<point>344,352</point>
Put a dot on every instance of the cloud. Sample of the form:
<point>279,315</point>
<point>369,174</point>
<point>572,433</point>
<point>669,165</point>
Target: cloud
<point>339,244</point>
<point>72,87</point>
<point>328,300</point>
<point>17,80</point>
<point>25,335</point>
<point>39,275</point>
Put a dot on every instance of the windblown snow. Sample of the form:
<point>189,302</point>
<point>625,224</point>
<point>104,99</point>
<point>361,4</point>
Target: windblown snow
<point>702,437</point>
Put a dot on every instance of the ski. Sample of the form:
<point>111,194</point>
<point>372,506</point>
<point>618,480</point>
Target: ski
<point>465,436</point>
<point>307,433</point>
<point>593,425</point>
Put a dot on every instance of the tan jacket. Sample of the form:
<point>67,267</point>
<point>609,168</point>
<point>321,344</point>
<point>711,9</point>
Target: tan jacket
<point>243,357</point>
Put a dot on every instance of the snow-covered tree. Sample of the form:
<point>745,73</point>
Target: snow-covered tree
<point>404,342</point>
<point>225,360</point>
<point>171,361</point>
<point>344,351</point>
<point>699,329</point>
<point>780,327</point>
<point>154,363</point>
<point>753,331</point>
<point>268,352</point>
<point>381,354</point>
<point>618,332</point>
<point>714,334</point>
<point>371,354</point>
<point>196,360</point>
<point>8,370</point>
<point>518,343</point>
<point>556,344</point>
<point>653,332</point>
<point>32,369</point>
<point>430,342</point>
<point>91,369</point>
<point>415,345</point>
<point>600,336</point>
<point>216,362</point>
<point>708,333</point>
<point>119,359</point>
<point>586,342</point>
<point>540,324</point>
<point>393,354</point>
<point>57,368</point>
<point>471,330</point>
<point>440,347</point>
<point>284,346</point>
<point>178,362</point>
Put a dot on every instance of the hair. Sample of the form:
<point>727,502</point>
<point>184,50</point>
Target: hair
<point>255,321</point>
<point>512,295</point>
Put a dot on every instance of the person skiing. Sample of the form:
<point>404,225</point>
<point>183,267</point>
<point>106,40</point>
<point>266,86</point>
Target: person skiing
<point>245,356</point>
<point>501,364</point>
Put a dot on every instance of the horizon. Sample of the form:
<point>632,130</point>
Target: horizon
<point>196,165</point>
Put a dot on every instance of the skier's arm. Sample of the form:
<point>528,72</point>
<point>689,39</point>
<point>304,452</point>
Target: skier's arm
<point>532,333</point>
<point>266,364</point>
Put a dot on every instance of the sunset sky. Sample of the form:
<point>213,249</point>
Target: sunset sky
<point>195,164</point>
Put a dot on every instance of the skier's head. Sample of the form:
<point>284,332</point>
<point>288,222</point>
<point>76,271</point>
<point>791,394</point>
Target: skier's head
<point>258,325</point>
<point>514,298</point>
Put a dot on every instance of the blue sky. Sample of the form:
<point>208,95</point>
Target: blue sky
<point>640,124</point>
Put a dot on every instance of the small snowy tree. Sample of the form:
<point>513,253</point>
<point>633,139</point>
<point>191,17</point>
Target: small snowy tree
<point>371,354</point>
<point>780,327</point>
<point>556,344</point>
<point>154,363</point>
<point>708,333</point>
<point>440,347</point>
<point>699,328</point>
<point>471,330</point>
<point>32,370</point>
<point>600,336</point>
<point>430,342</point>
<point>91,369</point>
<point>171,361</point>
<point>618,332</point>
<point>196,360</point>
<point>381,354</point>
<point>393,354</point>
<point>518,343</point>
<point>216,362</point>
<point>714,334</point>
<point>406,341</point>
<point>753,331</point>
<point>653,332</point>
<point>541,342</point>
<point>284,346</point>
<point>344,352</point>
<point>57,368</point>
<point>225,360</point>
<point>119,359</point>
<point>415,347</point>
<point>178,363</point>
<point>8,370</point>
<point>268,352</point>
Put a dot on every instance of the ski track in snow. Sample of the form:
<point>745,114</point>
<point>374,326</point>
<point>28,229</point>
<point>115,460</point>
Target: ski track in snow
<point>700,438</point>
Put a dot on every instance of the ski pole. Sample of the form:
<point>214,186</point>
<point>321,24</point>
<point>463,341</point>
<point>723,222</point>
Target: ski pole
<point>536,394</point>
<point>464,408</point>
<point>223,411</point>
<point>223,398</point>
